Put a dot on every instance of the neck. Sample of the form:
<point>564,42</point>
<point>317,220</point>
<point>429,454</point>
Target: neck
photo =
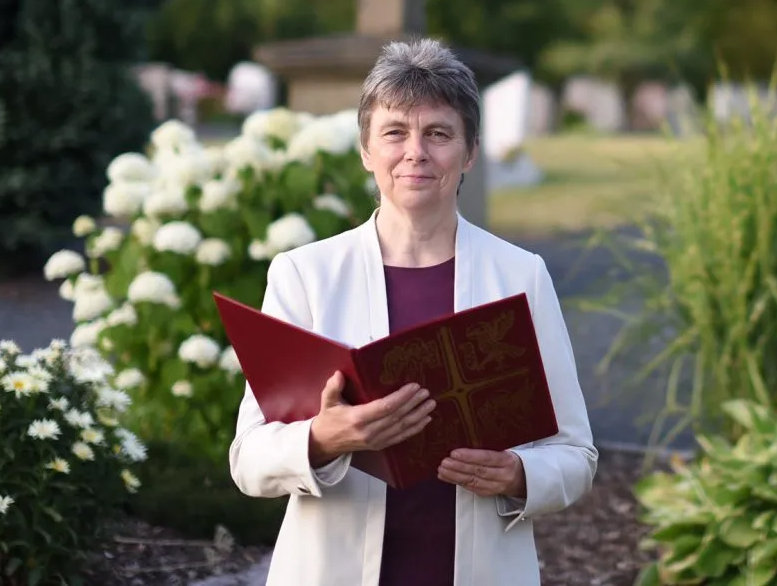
<point>415,239</point>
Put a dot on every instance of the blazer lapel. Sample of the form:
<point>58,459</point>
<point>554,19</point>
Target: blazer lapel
<point>376,280</point>
<point>463,283</point>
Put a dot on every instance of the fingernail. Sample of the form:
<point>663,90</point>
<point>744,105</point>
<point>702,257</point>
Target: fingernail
<point>423,394</point>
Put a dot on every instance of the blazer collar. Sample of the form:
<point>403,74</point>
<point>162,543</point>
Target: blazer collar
<point>376,282</point>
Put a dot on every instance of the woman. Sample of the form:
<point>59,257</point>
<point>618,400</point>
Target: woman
<point>415,259</point>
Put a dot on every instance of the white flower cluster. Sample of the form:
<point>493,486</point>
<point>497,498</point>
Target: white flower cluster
<point>75,420</point>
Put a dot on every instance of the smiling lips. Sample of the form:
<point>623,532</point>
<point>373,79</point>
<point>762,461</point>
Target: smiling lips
<point>416,178</point>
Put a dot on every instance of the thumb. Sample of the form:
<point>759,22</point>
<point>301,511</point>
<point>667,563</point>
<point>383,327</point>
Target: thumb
<point>331,395</point>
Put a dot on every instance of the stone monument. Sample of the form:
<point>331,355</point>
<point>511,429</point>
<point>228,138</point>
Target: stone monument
<point>324,74</point>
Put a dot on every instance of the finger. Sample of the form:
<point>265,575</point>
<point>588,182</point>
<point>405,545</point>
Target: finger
<point>472,483</point>
<point>402,400</point>
<point>496,473</point>
<point>482,457</point>
<point>385,439</point>
<point>332,393</point>
<point>402,419</point>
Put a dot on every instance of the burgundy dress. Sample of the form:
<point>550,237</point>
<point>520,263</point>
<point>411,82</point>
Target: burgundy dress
<point>420,534</point>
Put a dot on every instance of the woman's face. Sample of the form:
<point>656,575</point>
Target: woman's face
<point>417,156</point>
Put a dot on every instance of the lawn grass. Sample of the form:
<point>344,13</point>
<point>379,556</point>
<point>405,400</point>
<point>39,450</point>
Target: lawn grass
<point>590,181</point>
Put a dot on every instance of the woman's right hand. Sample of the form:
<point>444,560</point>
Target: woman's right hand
<point>340,428</point>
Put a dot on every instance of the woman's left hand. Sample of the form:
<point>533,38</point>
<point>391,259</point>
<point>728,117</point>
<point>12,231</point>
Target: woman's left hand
<point>485,472</point>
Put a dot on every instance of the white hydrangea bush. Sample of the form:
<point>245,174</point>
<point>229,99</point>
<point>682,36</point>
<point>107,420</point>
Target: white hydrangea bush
<point>66,462</point>
<point>190,219</point>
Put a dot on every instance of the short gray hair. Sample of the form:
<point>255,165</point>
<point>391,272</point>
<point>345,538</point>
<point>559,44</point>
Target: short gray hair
<point>421,72</point>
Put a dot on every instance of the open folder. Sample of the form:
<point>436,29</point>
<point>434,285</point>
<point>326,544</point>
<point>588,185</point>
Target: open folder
<point>481,365</point>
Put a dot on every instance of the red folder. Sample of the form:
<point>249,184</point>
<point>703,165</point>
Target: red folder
<point>481,365</point>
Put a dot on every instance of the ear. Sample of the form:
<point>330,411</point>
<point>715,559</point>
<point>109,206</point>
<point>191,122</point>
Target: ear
<point>366,158</point>
<point>472,157</point>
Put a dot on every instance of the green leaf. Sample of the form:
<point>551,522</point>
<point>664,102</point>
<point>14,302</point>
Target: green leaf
<point>257,221</point>
<point>12,565</point>
<point>52,513</point>
<point>648,576</point>
<point>760,575</point>
<point>744,412</point>
<point>738,532</point>
<point>715,558</point>
<point>765,552</point>
<point>35,576</point>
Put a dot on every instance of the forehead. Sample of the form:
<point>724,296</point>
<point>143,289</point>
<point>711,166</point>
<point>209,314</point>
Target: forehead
<point>417,115</point>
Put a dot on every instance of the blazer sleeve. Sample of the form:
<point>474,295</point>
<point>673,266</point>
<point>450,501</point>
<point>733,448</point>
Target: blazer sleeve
<point>560,469</point>
<point>271,459</point>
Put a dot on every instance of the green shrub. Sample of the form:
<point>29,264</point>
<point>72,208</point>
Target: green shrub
<point>708,321</point>
<point>715,521</point>
<point>65,464</point>
<point>203,219</point>
<point>194,495</point>
<point>68,105</point>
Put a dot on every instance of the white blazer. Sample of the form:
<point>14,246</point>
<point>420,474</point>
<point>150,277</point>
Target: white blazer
<point>332,533</point>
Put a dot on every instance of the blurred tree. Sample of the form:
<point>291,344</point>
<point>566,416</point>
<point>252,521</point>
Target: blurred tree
<point>68,105</point>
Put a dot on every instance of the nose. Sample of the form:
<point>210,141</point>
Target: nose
<point>415,148</point>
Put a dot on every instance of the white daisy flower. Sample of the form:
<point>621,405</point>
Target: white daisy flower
<point>5,503</point>
<point>59,465</point>
<point>130,481</point>
<point>131,445</point>
<point>43,429</point>
<point>10,347</point>
<point>58,404</point>
<point>113,399</point>
<point>80,419</point>
<point>20,383</point>
<point>92,436</point>
<point>83,451</point>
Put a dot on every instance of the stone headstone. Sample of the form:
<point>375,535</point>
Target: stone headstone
<point>735,100</point>
<point>649,106</point>
<point>542,110</point>
<point>387,18</point>
<point>682,112</point>
<point>600,102</point>
<point>250,87</point>
<point>154,78</point>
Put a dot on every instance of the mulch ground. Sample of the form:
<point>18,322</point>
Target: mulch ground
<point>592,543</point>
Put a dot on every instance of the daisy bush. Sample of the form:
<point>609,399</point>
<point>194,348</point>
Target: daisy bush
<point>189,219</point>
<point>65,463</point>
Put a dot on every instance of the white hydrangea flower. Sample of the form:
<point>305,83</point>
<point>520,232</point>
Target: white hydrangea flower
<point>67,291</point>
<point>43,429</point>
<point>131,167</point>
<point>88,283</point>
<point>154,287</point>
<point>182,388</point>
<point>278,122</point>
<point>86,334</point>
<point>290,231</point>
<point>144,229</point>
<point>178,237</point>
<point>245,151</point>
<point>80,419</point>
<point>131,481</point>
<point>332,203</point>
<point>86,365</point>
<point>91,305</point>
<point>124,200</point>
<point>167,200</point>
<point>190,165</point>
<point>200,350</point>
<point>124,315</point>
<point>218,194</point>
<point>229,361</point>
<point>129,378</point>
<point>107,241</point>
<point>213,252</point>
<point>83,226</point>
<point>172,135</point>
<point>5,504</point>
<point>83,451</point>
<point>216,158</point>
<point>62,264</point>
<point>336,134</point>
<point>131,446</point>
<point>259,250</point>
<point>113,399</point>
<point>10,347</point>
<point>59,465</point>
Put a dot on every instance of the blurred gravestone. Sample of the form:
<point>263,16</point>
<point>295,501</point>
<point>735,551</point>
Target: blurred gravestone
<point>542,110</point>
<point>154,78</point>
<point>250,87</point>
<point>599,102</point>
<point>506,106</point>
<point>649,106</point>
